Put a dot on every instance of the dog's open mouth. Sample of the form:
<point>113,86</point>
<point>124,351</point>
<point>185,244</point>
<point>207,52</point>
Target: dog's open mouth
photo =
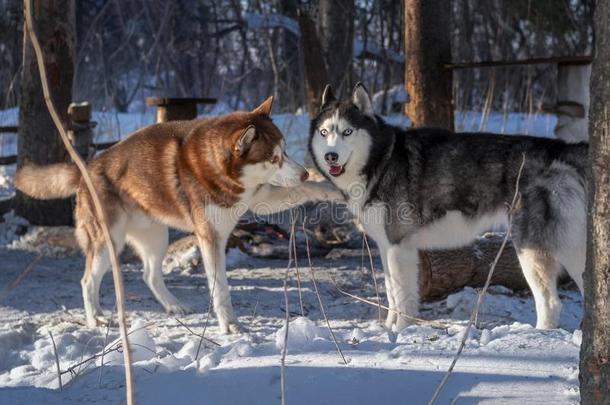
<point>336,170</point>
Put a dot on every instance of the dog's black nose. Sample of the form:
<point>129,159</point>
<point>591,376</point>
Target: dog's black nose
<point>331,157</point>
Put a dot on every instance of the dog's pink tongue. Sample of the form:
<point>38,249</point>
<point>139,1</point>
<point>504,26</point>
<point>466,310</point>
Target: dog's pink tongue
<point>335,170</point>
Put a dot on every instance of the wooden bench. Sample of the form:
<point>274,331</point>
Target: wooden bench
<point>572,106</point>
<point>173,109</point>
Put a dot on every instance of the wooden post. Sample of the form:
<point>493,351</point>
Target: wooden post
<point>38,141</point>
<point>176,109</point>
<point>573,102</point>
<point>81,128</point>
<point>316,76</point>
<point>176,112</point>
<point>337,43</point>
<point>427,50</point>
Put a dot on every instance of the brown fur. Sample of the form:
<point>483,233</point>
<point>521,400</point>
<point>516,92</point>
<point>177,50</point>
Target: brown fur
<point>160,170</point>
<point>48,182</point>
<point>169,174</point>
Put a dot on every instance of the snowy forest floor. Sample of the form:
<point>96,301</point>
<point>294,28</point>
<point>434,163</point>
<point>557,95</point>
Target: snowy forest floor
<point>505,361</point>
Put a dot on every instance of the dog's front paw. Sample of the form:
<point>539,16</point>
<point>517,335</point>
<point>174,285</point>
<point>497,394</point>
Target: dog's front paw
<point>390,319</point>
<point>326,191</point>
<point>97,319</point>
<point>406,317</point>
<point>235,329</point>
<point>231,328</point>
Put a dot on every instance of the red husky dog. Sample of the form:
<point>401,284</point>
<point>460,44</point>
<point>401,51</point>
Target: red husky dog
<point>199,176</point>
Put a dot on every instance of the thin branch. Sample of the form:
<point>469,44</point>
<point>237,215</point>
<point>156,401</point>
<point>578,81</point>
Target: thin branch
<point>315,286</point>
<point>117,347</point>
<point>287,323</point>
<point>211,300</point>
<point>61,387</point>
<point>20,277</point>
<point>99,209</point>
<point>99,383</point>
<point>196,334</point>
<point>475,310</point>
<point>368,249</point>
<point>292,246</point>
<point>419,321</point>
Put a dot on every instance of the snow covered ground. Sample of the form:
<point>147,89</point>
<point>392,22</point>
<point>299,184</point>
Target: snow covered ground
<point>506,360</point>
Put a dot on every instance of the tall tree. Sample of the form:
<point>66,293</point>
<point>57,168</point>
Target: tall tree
<point>336,33</point>
<point>292,91</point>
<point>595,348</point>
<point>316,76</point>
<point>427,48</point>
<point>327,41</point>
<point>38,141</point>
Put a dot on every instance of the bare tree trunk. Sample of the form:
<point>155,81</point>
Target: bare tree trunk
<point>38,141</point>
<point>595,348</point>
<point>291,74</point>
<point>316,76</point>
<point>427,48</point>
<point>336,33</point>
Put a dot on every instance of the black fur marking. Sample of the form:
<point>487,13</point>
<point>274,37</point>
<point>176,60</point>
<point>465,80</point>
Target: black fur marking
<point>437,171</point>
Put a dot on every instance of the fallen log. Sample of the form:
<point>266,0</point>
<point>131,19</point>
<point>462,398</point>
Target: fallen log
<point>6,205</point>
<point>443,272</point>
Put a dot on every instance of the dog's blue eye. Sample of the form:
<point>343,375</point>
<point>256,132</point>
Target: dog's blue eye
<point>348,132</point>
<point>323,132</point>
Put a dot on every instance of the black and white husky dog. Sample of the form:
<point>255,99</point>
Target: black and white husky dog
<point>430,188</point>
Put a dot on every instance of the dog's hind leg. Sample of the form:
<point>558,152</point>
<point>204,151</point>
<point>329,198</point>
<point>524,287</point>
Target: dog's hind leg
<point>573,260</point>
<point>97,264</point>
<point>572,253</point>
<point>541,271</point>
<point>150,242</point>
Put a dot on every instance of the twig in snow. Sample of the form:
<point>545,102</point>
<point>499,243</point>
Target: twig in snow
<point>287,323</point>
<point>196,334</point>
<point>315,286</point>
<point>419,321</point>
<point>61,387</point>
<point>368,249</point>
<point>99,209</point>
<point>117,347</point>
<point>292,246</point>
<point>362,254</point>
<point>284,349</point>
<point>20,277</point>
<point>72,368</point>
<point>99,382</point>
<point>255,305</point>
<point>514,205</point>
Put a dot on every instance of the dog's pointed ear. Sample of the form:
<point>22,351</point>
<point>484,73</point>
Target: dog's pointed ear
<point>362,100</point>
<point>265,107</point>
<point>327,96</point>
<point>245,140</point>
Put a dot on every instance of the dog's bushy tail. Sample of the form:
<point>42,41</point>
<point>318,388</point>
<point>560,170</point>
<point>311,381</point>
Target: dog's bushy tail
<point>48,182</point>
